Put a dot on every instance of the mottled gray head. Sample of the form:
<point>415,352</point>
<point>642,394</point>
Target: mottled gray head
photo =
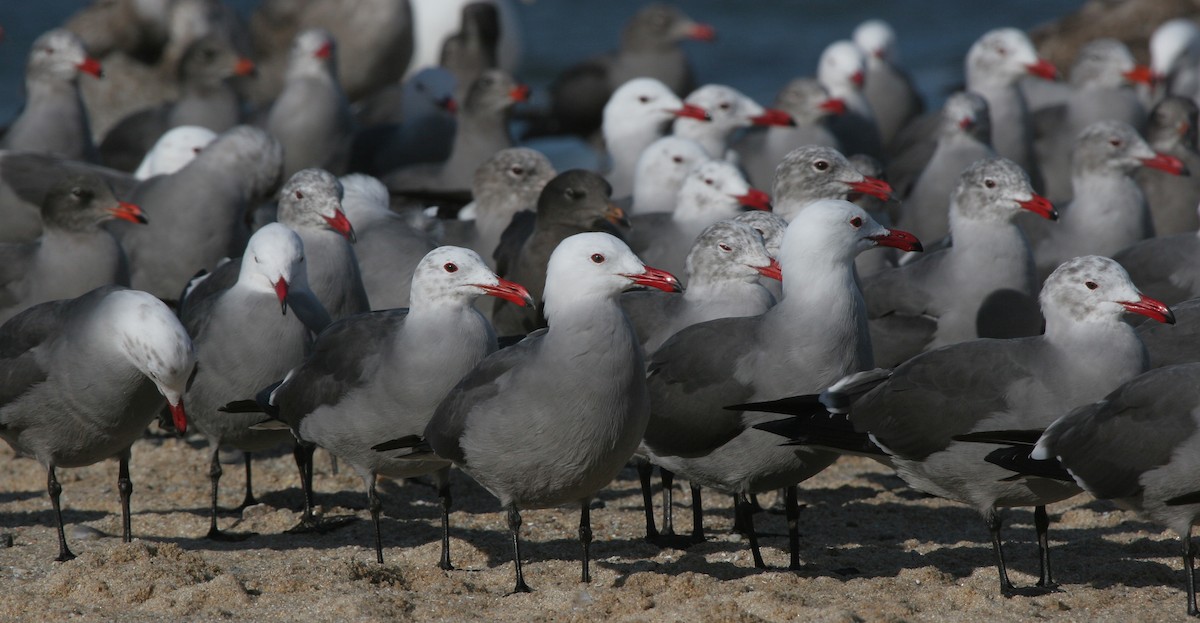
<point>729,251</point>
<point>248,153</point>
<point>312,199</point>
<point>1094,289</point>
<point>517,175</point>
<point>769,225</point>
<point>967,113</point>
<point>80,202</point>
<point>210,60</point>
<point>815,172</point>
<point>60,55</point>
<point>658,27</point>
<point>1001,57</point>
<point>1172,123</point>
<point>493,92</point>
<point>996,189</point>
<point>807,101</point>
<point>1114,147</point>
<point>1106,63</point>
<point>457,276</point>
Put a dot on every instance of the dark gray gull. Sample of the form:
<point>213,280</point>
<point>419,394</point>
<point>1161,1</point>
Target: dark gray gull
<point>1135,447</point>
<point>82,379</point>
<point>574,202</point>
<point>197,213</point>
<point>729,111</point>
<point>589,348</point>
<point>379,376</point>
<point>947,296</point>
<point>310,203</point>
<point>25,179</point>
<point>660,172</point>
<point>1108,212</point>
<point>635,116</point>
<point>387,247</point>
<point>810,107</point>
<point>243,342</point>
<point>909,418</point>
<point>1172,130</point>
<point>54,120</point>
<point>818,332</point>
<point>888,88</point>
<point>74,255</point>
<point>311,118</point>
<point>815,172</point>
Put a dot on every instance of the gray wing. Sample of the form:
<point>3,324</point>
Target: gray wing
<point>1166,268</point>
<point>907,289</point>
<point>646,229</point>
<point>650,313</point>
<point>15,261</point>
<point>689,387</point>
<point>338,364</point>
<point>1110,444</point>
<point>197,301</point>
<point>512,240</point>
<point>449,421</point>
<point>1173,344</point>
<point>128,142</point>
<point>30,176</point>
<point>940,394</point>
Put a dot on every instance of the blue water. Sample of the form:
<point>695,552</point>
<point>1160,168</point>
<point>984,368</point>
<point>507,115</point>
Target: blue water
<point>761,43</point>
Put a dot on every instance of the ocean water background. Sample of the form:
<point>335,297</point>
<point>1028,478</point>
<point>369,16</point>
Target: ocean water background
<point>761,44</point>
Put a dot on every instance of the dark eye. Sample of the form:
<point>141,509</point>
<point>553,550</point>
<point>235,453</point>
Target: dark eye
<point>708,180</point>
<point>517,170</point>
<point>571,193</point>
<point>1002,51</point>
<point>48,50</point>
<point>1091,285</point>
<point>1115,142</point>
<point>645,99</point>
<point>989,183</point>
<point>677,159</point>
<point>598,258</point>
<point>856,221</point>
<point>450,267</point>
<point>724,247</point>
<point>725,106</point>
<point>299,195</point>
<point>821,165</point>
<point>196,150</point>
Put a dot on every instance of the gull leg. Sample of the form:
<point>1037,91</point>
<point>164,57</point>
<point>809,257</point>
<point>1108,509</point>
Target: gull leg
<point>443,486</point>
<point>55,490</point>
<point>585,537</point>
<point>514,527</point>
<point>125,487</point>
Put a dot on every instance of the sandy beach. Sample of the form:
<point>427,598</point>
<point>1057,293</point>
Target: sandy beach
<point>871,549</point>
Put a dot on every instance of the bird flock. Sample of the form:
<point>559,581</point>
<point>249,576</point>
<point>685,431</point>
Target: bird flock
<point>347,230</point>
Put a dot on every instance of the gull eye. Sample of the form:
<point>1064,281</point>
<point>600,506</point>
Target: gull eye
<point>572,193</point>
<point>450,267</point>
<point>821,165</point>
<point>856,222</point>
<point>645,99</point>
<point>1091,285</point>
<point>989,183</point>
<point>299,195</point>
<point>677,159</point>
<point>725,106</point>
<point>517,170</point>
<point>48,50</point>
<point>1002,51</point>
<point>598,258</point>
<point>724,247</point>
<point>1115,142</point>
<point>708,180</point>
<point>78,192</point>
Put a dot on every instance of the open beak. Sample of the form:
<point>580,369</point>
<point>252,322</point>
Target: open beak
<point>692,111</point>
<point>325,50</point>
<point>91,66</point>
<point>178,416</point>
<point>771,271</point>
<point>656,278</point>
<point>898,239</point>
<point>615,215</point>
<point>773,116</point>
<point>1040,206</point>
<point>339,223</point>
<point>755,198</point>
<point>1043,69</point>
<point>509,291</point>
<point>281,290</point>
<point>244,67</point>
<point>702,32</point>
<point>1150,308</point>
<point>1140,74</point>
<point>519,93</point>
<point>872,186</point>
<point>1164,162</point>
<point>128,212</point>
<point>833,106</point>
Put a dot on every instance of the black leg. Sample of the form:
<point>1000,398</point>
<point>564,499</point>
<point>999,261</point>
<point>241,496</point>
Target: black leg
<point>739,519</point>
<point>304,454</point>
<point>514,527</point>
<point>993,524</point>
<point>55,490</point>
<point>1041,522</point>
<point>585,538</point>
<point>125,487</point>
<point>697,516</point>
<point>755,507</point>
<point>443,485</point>
<point>1189,568</point>
<point>792,508</point>
<point>746,509</point>
<point>374,505</point>
<point>668,481</point>
<point>249,500</point>
<point>214,476</point>
<point>645,469</point>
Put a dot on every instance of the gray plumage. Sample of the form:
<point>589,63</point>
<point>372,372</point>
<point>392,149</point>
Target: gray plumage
<point>310,203</point>
<point>887,87</point>
<point>54,120</point>
<point>939,297</point>
<point>1173,199</point>
<point>74,255</point>
<point>1168,345</point>
<point>842,70</point>
<point>811,107</point>
<point>26,178</point>
<point>1166,267</point>
<point>406,124</point>
<point>812,173</point>
<point>197,213</point>
<point>311,118</point>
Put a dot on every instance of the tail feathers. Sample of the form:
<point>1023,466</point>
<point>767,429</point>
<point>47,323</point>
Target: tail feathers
<point>1016,459</point>
<point>1021,438</point>
<point>1187,498</point>
<point>264,399</point>
<point>804,406</point>
<point>413,447</point>
<point>839,396</point>
<point>835,432</point>
<point>241,406</point>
